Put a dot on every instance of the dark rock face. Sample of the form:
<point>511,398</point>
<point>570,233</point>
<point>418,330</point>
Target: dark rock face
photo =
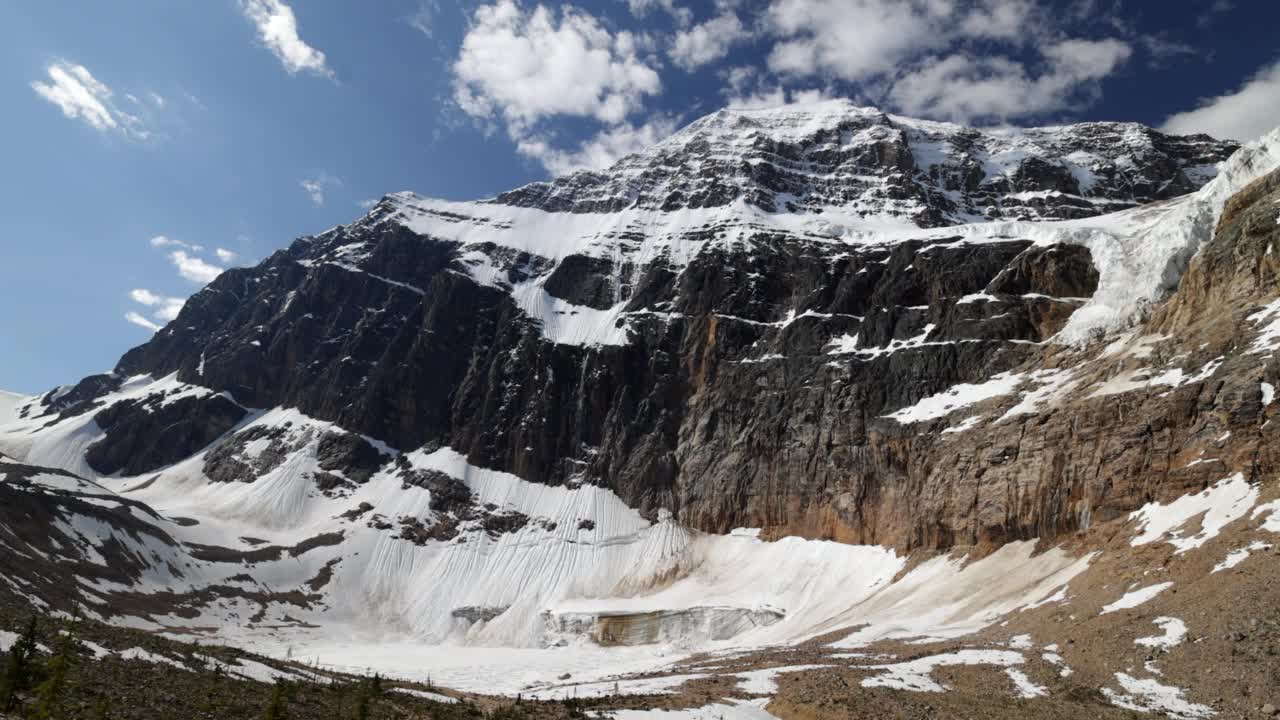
<point>448,494</point>
<point>227,462</point>
<point>148,434</point>
<point>349,454</point>
<point>81,397</point>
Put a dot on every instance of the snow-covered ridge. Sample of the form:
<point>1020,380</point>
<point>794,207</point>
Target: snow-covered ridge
<point>815,156</point>
<point>1140,253</point>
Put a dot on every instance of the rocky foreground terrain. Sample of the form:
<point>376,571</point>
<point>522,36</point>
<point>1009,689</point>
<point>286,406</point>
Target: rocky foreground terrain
<point>805,413</point>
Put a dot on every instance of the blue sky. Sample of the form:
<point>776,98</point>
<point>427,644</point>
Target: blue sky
<point>151,144</point>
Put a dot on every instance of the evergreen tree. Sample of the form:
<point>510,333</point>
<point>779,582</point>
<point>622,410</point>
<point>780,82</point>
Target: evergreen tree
<point>362,701</point>
<point>276,709</point>
<point>50,692</point>
<point>102,711</point>
<point>18,669</point>
<point>210,704</point>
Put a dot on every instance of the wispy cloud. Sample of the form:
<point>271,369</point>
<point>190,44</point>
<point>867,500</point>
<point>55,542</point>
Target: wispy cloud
<point>318,185</point>
<point>161,241</point>
<point>185,258</point>
<point>81,96</point>
<point>278,29</point>
<point>141,321</point>
<point>163,307</point>
<point>423,19</point>
<point>193,268</point>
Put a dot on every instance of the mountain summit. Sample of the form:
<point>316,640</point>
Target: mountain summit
<point>814,157</point>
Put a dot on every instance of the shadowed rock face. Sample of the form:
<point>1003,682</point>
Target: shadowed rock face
<point>757,378</point>
<point>148,434</point>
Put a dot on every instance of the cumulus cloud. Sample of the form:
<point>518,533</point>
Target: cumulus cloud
<point>225,256</point>
<point>1243,115</point>
<point>602,150</point>
<point>141,321</point>
<point>708,41</point>
<point>278,30</point>
<point>521,68</point>
<point>79,95</point>
<point>853,39</point>
<point>966,88</point>
<point>316,186</point>
<point>527,66</point>
<point>194,268</point>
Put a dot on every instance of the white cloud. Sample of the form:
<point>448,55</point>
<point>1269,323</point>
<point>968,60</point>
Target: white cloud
<point>193,268</point>
<point>749,90</point>
<point>1241,115</point>
<point>141,321</point>
<point>316,186</point>
<point>641,8</point>
<point>225,256</point>
<point>157,99</point>
<point>161,241</point>
<point>708,41</point>
<point>278,29</point>
<point>965,88</point>
<point>522,68</point>
<point>854,39</point>
<point>527,66</point>
<point>367,204</point>
<point>600,151</point>
<point>164,308</point>
<point>79,95</point>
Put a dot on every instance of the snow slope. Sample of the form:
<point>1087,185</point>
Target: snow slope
<point>8,406</point>
<point>525,605</point>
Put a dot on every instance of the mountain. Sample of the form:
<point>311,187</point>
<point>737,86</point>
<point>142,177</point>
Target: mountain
<point>792,374</point>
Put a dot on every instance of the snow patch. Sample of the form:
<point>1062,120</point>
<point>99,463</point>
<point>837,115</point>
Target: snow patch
<point>916,675</point>
<point>734,710</point>
<point>1135,598</point>
<point>1026,688</point>
<point>1219,505</point>
<point>1149,695</point>
<point>1175,631</point>
<point>956,397</point>
<point>425,695</point>
<point>1272,512</point>
<point>1235,557</point>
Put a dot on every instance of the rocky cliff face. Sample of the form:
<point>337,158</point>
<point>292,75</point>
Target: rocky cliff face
<point>781,319</point>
